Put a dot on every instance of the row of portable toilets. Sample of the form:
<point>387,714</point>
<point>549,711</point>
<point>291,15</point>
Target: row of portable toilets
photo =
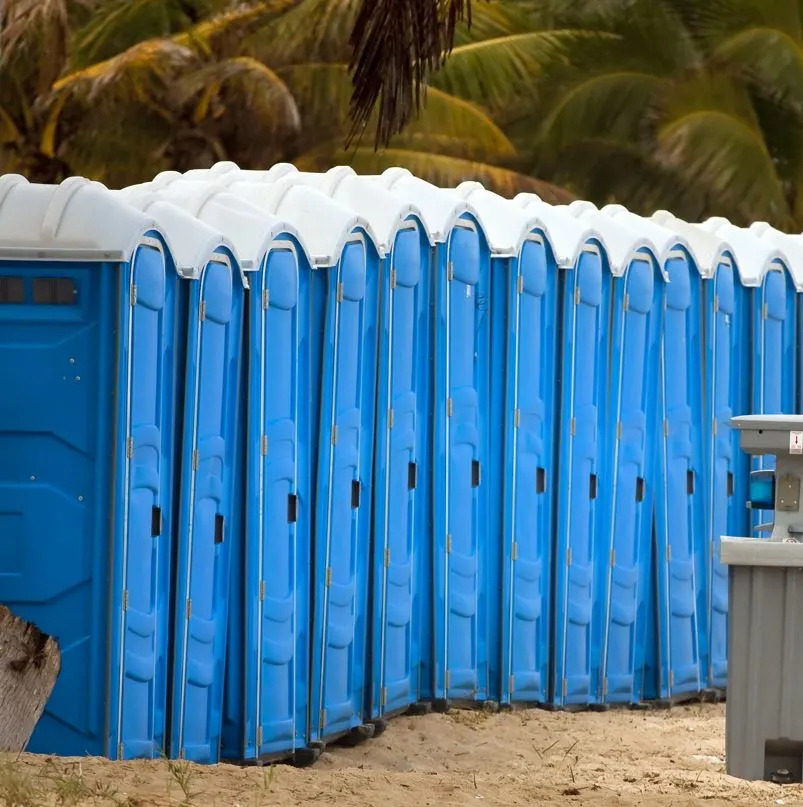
<point>285,454</point>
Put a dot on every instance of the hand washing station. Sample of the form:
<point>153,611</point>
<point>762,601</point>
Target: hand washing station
<point>764,721</point>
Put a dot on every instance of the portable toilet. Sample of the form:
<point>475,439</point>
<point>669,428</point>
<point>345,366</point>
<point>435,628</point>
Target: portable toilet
<point>584,289</point>
<point>523,321</point>
<point>343,343</point>
<point>267,662</point>
<point>465,559</point>
<point>87,319</point>
<point>764,270</point>
<point>211,338</point>
<point>725,363</point>
<point>402,524</point>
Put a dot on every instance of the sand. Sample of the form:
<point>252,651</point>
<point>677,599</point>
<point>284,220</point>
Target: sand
<point>533,757</point>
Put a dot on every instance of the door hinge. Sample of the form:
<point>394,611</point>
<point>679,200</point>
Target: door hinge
<point>764,311</point>
<point>387,557</point>
<point>202,311</point>
<point>619,430</point>
<point>514,551</point>
<point>129,448</point>
<point>568,556</point>
<point>125,600</point>
<point>520,284</point>
<point>604,687</point>
<point>265,305</point>
<point>577,295</point>
<point>626,302</point>
<point>383,697</point>
<point>613,558</point>
<point>449,407</point>
<point>448,544</point>
<point>710,672</point>
<point>668,553</point>
<point>716,303</point>
<point>133,294</point>
<point>447,679</point>
<point>516,418</point>
<point>450,271</point>
<point>572,427</point>
<point>666,428</point>
<point>671,679</point>
<point>260,735</point>
<point>340,292</point>
<point>328,576</point>
<point>334,435</point>
<point>263,445</point>
<point>188,608</point>
<point>714,426</point>
<point>196,459</point>
<point>322,718</point>
<point>261,590</point>
<point>511,684</point>
<point>393,278</point>
<point>390,418</point>
<point>119,751</point>
<point>564,687</point>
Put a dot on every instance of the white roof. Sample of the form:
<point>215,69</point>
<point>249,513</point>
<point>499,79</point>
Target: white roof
<point>225,167</point>
<point>709,249</point>
<point>441,209</point>
<point>567,236</point>
<point>792,246</point>
<point>386,212</point>
<point>754,255</point>
<point>666,239</point>
<point>506,224</point>
<point>251,229</point>
<point>76,220</point>
<point>191,242</point>
<point>622,241</point>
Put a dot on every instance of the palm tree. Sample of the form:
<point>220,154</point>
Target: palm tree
<point>697,107</point>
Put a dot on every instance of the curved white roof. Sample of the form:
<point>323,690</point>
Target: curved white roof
<point>441,209</point>
<point>666,239</point>
<point>76,220</point>
<point>251,229</point>
<point>566,235</point>
<point>506,224</point>
<point>754,256</point>
<point>709,249</point>
<point>386,212</point>
<point>191,242</point>
<point>622,241</point>
<point>324,224</point>
<point>792,246</point>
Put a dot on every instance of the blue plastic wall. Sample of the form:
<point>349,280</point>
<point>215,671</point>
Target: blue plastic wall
<point>680,516</point>
<point>774,338</point>
<point>726,365</point>
<point>401,532</point>
<point>463,567</point>
<point>584,361</point>
<point>347,303</point>
<point>210,456</point>
<point>628,473</point>
<point>84,488</point>
<point>530,305</point>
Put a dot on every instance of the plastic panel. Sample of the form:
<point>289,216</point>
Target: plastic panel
<point>584,367</point>
<point>529,480</point>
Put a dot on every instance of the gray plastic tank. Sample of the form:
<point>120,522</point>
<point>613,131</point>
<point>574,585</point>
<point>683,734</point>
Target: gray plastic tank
<point>764,718</point>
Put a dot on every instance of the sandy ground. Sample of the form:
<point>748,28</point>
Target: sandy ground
<point>464,758</point>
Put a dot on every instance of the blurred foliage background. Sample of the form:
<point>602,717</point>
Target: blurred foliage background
<point>690,105</point>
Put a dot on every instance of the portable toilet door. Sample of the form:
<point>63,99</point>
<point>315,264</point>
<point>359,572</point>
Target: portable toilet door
<point>212,314</point>
<point>524,303</point>
<point>89,478</point>
<point>401,523</point>
<point>267,664</point>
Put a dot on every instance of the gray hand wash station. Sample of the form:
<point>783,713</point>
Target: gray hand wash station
<point>764,718</point>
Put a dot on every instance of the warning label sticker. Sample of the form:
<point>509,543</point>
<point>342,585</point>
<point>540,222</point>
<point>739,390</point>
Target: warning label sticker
<point>796,442</point>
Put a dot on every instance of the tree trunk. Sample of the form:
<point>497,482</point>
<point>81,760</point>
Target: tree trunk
<point>30,662</point>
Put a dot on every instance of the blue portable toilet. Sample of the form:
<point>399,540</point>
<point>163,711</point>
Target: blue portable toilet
<point>524,321</point>
<point>765,270</point>
<point>87,318</point>
<point>402,525</point>
<point>343,345</point>
<point>211,299</point>
<point>467,548</point>
<point>267,663</point>
<point>726,393</point>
